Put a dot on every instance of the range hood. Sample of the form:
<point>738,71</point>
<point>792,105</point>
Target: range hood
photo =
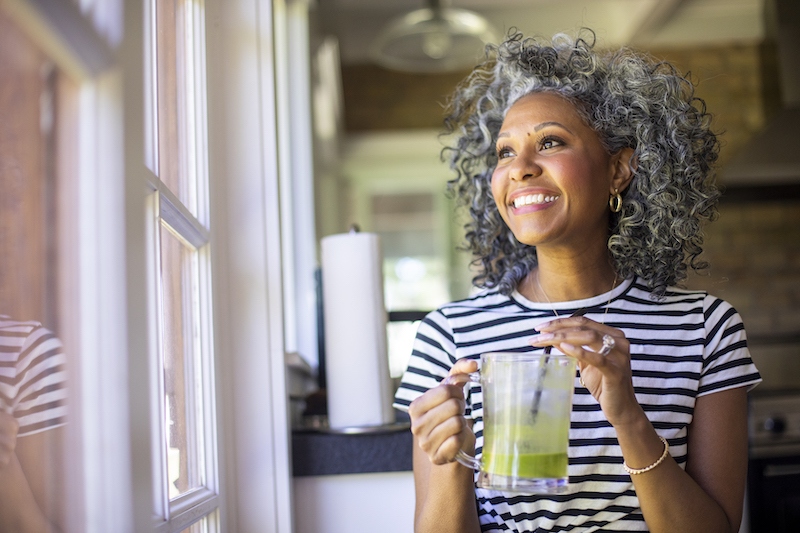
<point>773,156</point>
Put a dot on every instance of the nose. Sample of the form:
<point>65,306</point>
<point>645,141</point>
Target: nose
<point>524,168</point>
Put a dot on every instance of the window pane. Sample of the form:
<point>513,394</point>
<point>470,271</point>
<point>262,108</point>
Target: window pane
<point>174,110</point>
<point>206,525</point>
<point>415,269</point>
<point>184,446</point>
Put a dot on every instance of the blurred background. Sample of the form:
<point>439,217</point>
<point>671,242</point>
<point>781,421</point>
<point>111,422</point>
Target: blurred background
<point>379,90</point>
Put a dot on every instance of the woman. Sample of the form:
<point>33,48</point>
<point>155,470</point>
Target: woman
<point>588,178</point>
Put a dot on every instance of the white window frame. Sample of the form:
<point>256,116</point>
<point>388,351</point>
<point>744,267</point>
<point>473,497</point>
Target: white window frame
<point>112,475</point>
<point>248,279</point>
<point>164,207</point>
<point>176,515</point>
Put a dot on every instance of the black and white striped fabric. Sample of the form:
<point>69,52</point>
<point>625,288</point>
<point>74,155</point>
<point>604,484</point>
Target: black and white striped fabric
<point>32,376</point>
<point>682,347</point>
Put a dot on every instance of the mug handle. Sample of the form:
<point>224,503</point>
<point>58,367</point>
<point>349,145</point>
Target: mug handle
<point>459,379</point>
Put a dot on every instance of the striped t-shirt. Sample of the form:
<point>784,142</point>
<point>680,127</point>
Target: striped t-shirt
<point>32,376</point>
<point>683,346</point>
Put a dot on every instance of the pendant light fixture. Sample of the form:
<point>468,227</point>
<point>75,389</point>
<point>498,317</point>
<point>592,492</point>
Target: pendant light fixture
<point>435,39</point>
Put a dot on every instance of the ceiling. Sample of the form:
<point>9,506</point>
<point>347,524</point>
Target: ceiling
<point>641,23</point>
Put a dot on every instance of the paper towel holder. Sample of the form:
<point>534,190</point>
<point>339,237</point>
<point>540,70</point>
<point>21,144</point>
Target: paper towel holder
<point>354,228</point>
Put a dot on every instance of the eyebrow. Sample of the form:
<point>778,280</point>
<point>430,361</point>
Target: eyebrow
<point>539,127</point>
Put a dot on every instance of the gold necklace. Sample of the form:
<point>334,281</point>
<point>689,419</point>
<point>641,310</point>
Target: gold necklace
<point>608,303</point>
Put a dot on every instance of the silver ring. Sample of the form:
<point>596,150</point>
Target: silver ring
<point>608,343</point>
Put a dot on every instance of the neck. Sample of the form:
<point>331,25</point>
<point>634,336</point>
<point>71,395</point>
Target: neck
<point>559,281</point>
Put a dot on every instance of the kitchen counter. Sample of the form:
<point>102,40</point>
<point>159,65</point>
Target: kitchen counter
<point>325,452</point>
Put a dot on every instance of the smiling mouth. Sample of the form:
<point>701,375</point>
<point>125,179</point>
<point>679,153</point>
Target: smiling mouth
<point>533,199</point>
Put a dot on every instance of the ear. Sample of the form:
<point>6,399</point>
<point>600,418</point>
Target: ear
<point>623,167</point>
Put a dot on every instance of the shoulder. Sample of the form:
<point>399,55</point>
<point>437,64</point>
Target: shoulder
<point>10,328</point>
<point>672,296</point>
<point>674,304</point>
<point>484,300</point>
<point>712,308</point>
<point>470,312</point>
<point>25,334</point>
<point>26,343</point>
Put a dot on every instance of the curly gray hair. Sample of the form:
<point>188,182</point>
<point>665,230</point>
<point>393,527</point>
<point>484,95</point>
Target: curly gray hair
<point>629,100</point>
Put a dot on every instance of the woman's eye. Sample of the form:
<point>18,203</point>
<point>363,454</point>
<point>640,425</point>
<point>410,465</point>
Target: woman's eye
<point>503,153</point>
<point>549,142</point>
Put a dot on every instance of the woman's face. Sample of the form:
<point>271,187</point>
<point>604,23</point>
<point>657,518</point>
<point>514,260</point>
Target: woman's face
<point>553,176</point>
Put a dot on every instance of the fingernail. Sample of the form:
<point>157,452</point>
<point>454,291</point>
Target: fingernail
<point>565,347</point>
<point>544,325</point>
<point>542,337</point>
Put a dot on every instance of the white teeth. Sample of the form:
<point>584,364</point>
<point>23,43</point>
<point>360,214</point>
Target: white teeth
<point>533,199</point>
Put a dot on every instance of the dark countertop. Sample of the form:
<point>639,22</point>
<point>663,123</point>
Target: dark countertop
<point>323,453</point>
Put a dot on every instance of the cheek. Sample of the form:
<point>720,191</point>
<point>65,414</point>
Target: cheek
<point>496,184</point>
<point>584,176</point>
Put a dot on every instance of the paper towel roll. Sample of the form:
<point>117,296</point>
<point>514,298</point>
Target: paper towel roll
<point>356,359</point>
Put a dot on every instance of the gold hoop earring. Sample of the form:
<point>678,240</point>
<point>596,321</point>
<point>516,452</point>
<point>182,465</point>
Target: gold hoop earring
<point>615,202</point>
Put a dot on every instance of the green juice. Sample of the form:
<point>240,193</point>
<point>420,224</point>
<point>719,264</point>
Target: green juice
<point>527,465</point>
<point>527,451</point>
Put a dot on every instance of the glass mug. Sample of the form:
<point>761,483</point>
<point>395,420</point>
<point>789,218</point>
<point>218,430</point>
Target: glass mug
<point>527,401</point>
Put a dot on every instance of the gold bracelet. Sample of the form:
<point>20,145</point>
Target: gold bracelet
<point>635,471</point>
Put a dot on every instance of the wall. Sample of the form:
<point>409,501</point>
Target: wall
<point>754,252</point>
<point>354,503</point>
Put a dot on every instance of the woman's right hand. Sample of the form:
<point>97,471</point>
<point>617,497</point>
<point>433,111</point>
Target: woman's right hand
<point>437,418</point>
<point>8,438</point>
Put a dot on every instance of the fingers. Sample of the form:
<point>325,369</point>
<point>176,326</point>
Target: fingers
<point>605,368</point>
<point>575,322</point>
<point>437,420</point>
<point>464,366</point>
<point>448,399</point>
<point>444,441</point>
<point>589,342</point>
<point>437,417</point>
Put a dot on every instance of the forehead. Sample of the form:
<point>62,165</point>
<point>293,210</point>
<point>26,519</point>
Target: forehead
<point>543,106</point>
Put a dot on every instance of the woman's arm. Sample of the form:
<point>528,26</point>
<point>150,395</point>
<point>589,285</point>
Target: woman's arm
<point>31,495</point>
<point>445,496</point>
<point>19,511</point>
<point>708,496</point>
<point>445,490</point>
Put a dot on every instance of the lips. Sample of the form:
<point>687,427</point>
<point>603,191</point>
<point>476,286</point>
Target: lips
<point>533,199</point>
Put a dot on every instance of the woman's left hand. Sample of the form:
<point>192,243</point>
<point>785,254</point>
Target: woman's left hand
<point>607,377</point>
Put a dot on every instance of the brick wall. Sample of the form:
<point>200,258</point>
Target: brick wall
<point>754,252</point>
<point>739,84</point>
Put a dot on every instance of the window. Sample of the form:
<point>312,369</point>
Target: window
<point>107,241</point>
<point>184,436</point>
